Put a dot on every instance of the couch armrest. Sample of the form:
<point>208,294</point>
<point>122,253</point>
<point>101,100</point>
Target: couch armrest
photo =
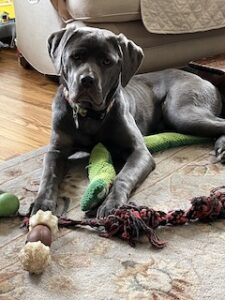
<point>35,21</point>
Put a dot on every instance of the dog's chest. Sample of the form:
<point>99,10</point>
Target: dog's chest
<point>88,133</point>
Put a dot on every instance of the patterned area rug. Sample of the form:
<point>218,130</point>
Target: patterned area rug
<point>86,266</point>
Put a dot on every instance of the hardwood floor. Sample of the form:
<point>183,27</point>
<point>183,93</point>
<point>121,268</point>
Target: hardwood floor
<point>25,107</point>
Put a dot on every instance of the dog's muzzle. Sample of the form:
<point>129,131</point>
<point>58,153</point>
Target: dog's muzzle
<point>81,112</point>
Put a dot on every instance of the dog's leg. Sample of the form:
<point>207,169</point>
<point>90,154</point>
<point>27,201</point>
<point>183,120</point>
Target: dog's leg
<point>193,107</point>
<point>220,149</point>
<point>197,121</point>
<point>137,167</point>
<point>53,171</point>
<point>55,165</point>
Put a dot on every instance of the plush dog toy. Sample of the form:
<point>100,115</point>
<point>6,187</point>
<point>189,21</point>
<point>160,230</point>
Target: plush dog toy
<point>101,172</point>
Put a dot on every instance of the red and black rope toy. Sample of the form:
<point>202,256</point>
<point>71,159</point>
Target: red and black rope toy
<point>129,221</point>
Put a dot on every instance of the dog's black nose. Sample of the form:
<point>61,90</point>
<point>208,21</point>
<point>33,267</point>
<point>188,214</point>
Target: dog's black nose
<point>87,81</point>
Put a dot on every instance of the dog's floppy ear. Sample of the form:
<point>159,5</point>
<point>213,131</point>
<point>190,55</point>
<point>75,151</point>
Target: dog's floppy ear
<point>131,56</point>
<point>56,45</point>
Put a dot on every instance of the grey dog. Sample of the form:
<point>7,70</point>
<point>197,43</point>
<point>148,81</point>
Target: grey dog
<point>100,100</point>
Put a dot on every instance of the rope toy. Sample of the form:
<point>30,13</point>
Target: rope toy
<point>35,256</point>
<point>130,221</point>
<point>127,222</point>
<point>101,172</point>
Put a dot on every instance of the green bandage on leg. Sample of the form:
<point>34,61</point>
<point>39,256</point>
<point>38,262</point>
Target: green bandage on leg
<point>101,172</point>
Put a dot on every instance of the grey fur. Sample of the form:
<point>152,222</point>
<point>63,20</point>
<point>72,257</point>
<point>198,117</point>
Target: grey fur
<point>141,105</point>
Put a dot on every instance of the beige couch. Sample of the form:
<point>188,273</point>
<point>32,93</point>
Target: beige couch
<point>170,32</point>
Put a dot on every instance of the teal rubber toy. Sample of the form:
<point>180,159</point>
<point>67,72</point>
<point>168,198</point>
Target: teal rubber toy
<point>9,204</point>
<point>101,172</point>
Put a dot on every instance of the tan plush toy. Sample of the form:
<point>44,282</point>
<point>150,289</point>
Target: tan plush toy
<point>35,256</point>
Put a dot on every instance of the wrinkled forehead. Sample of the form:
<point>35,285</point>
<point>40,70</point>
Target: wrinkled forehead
<point>94,40</point>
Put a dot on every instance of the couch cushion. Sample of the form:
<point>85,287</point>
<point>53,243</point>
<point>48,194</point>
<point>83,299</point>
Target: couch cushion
<point>182,16</point>
<point>169,50</point>
<point>104,10</point>
<point>137,32</point>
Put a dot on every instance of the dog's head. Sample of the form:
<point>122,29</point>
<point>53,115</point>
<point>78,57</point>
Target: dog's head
<point>92,62</point>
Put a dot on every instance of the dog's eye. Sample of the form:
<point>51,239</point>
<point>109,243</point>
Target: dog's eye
<point>77,57</point>
<point>106,62</point>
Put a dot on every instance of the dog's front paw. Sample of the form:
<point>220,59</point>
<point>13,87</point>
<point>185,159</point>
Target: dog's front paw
<point>40,204</point>
<point>107,208</point>
<point>220,149</point>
